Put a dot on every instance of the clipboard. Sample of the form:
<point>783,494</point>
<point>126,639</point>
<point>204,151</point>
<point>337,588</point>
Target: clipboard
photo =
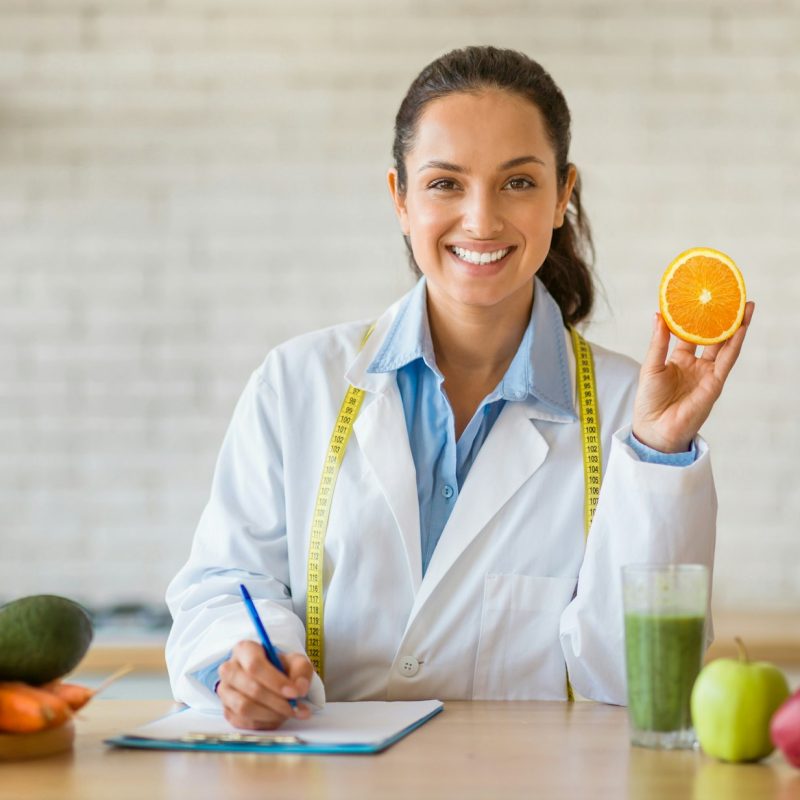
<point>358,728</point>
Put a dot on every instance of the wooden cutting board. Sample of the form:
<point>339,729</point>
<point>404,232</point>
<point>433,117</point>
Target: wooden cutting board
<point>17,746</point>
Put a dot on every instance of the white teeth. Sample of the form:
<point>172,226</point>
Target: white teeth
<point>479,258</point>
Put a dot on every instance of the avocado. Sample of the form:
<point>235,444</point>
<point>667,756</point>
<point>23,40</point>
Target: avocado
<point>42,637</point>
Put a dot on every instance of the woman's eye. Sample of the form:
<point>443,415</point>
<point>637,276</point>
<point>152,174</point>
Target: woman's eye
<point>442,183</point>
<point>520,183</point>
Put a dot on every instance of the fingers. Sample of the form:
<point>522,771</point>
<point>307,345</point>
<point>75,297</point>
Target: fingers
<point>299,671</point>
<point>239,681</point>
<point>242,712</point>
<point>729,351</point>
<point>255,694</point>
<point>710,351</point>
<point>659,345</point>
<point>689,347</point>
<point>253,660</point>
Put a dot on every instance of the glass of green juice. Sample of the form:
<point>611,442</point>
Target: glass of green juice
<point>665,621</point>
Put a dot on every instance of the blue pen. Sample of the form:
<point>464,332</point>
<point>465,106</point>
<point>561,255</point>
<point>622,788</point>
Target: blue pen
<point>269,650</point>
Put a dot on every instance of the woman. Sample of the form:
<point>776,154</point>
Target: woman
<point>455,562</point>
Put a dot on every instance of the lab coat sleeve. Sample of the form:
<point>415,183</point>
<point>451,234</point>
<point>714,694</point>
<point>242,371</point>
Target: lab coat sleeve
<point>646,513</point>
<point>241,538</point>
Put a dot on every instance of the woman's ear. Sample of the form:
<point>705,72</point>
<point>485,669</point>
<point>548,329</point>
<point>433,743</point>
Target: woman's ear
<point>399,200</point>
<point>564,194</point>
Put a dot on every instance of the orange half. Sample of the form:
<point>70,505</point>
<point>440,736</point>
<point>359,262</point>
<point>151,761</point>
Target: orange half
<point>702,296</point>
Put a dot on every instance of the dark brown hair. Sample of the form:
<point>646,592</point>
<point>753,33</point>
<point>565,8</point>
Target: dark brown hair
<point>567,270</point>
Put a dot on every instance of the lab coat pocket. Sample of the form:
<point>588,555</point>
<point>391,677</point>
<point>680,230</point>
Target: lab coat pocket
<point>519,654</point>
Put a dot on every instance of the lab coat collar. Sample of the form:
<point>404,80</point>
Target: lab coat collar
<point>381,433</point>
<point>357,373</point>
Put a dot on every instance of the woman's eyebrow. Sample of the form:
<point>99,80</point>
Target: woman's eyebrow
<point>514,162</point>
<point>445,165</point>
<point>520,160</point>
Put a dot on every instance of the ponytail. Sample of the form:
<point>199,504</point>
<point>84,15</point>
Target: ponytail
<point>567,270</point>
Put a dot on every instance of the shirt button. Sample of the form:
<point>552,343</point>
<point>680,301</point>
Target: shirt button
<point>409,666</point>
<point>447,491</point>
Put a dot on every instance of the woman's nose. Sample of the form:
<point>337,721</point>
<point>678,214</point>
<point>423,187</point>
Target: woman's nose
<point>482,216</point>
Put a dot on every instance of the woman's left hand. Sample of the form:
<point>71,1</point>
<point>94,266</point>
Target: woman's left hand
<point>676,394</point>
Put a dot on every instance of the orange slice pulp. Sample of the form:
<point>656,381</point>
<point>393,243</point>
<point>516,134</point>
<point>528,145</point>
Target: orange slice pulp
<point>702,296</point>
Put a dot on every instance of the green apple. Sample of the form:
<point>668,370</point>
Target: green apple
<point>732,704</point>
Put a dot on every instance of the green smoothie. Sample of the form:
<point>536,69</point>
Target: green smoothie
<point>663,656</point>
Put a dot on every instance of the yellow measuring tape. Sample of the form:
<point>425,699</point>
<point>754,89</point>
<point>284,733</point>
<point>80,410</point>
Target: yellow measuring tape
<point>590,434</point>
<point>590,427</point>
<point>315,640</point>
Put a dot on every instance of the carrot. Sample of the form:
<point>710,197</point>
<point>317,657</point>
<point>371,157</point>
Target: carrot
<point>77,696</point>
<point>25,709</point>
<point>72,694</point>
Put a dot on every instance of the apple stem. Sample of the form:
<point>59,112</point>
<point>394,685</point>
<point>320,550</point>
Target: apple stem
<point>743,656</point>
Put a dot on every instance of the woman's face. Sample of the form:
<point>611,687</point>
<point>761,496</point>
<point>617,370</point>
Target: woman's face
<point>482,197</point>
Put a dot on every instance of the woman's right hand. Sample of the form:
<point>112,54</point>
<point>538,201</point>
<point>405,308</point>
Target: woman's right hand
<point>256,695</point>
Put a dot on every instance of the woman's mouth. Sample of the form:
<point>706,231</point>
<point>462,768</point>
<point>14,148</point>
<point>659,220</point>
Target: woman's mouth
<point>482,260</point>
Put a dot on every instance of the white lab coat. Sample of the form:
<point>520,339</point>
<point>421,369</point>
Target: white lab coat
<point>512,593</point>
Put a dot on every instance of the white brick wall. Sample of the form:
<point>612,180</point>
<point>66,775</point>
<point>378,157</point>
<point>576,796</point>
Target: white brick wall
<point>182,183</point>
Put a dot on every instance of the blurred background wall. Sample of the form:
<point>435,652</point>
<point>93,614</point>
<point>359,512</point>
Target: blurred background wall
<point>186,183</point>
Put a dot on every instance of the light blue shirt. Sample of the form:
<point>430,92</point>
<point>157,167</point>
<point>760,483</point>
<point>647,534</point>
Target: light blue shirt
<point>539,369</point>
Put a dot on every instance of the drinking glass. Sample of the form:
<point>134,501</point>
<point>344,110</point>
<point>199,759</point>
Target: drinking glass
<point>665,620</point>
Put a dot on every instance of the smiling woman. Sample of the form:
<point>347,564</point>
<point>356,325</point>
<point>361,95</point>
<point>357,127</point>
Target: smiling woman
<point>437,548</point>
<point>480,219</point>
<point>523,83</point>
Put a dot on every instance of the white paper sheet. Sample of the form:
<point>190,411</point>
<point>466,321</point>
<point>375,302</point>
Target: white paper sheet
<point>367,723</point>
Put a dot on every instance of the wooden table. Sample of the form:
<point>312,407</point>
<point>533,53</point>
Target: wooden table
<point>470,750</point>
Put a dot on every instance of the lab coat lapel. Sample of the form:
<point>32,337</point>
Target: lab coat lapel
<point>380,430</point>
<point>512,452</point>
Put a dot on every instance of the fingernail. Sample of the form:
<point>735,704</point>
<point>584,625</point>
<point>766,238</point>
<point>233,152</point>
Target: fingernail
<point>289,691</point>
<point>302,687</point>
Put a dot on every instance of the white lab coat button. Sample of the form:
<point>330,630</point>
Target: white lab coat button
<point>409,666</point>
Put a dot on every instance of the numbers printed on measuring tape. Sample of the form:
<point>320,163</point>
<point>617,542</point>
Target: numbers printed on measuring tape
<point>592,461</point>
<point>592,456</point>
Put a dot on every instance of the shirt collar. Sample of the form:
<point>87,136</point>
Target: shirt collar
<point>409,338</point>
<point>539,372</point>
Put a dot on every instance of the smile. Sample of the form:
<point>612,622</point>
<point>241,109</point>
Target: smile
<point>473,257</point>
